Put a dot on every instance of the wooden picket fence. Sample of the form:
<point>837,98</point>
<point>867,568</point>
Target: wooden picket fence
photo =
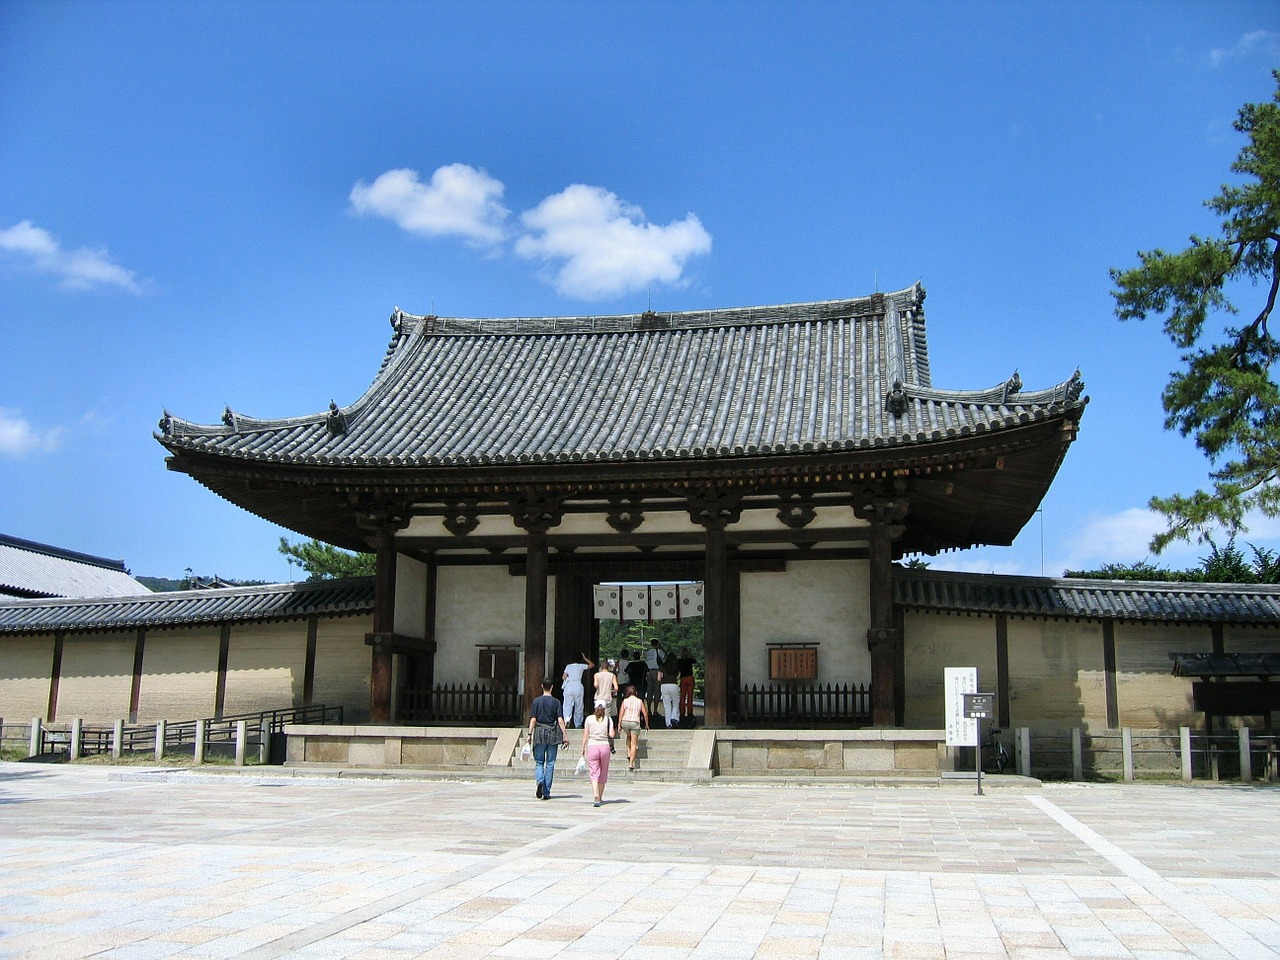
<point>460,703</point>
<point>802,705</point>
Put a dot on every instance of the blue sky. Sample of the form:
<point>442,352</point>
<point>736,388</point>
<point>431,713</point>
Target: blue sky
<point>221,203</point>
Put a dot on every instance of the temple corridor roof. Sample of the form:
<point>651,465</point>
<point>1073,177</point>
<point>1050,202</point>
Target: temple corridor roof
<point>182,608</point>
<point>1088,599</point>
<point>833,375</point>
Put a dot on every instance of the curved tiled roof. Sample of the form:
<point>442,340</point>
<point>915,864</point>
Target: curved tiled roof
<point>277,601</point>
<point>29,569</point>
<point>1085,599</point>
<point>826,376</point>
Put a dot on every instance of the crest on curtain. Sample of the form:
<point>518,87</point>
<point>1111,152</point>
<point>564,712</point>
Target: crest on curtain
<point>648,602</point>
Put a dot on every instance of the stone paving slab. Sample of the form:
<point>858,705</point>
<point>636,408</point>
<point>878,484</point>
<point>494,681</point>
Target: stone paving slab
<point>96,862</point>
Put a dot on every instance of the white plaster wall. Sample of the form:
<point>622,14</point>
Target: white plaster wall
<point>1147,693</point>
<point>343,662</point>
<point>1057,678</point>
<point>821,600</point>
<point>25,666</point>
<point>1244,640</point>
<point>411,597</point>
<point>97,676</point>
<point>179,674</point>
<point>265,666</point>
<point>475,605</point>
<point>933,642</point>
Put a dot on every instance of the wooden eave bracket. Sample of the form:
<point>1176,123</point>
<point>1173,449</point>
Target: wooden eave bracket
<point>399,643</point>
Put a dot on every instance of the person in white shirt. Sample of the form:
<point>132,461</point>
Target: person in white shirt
<point>653,658</point>
<point>571,685</point>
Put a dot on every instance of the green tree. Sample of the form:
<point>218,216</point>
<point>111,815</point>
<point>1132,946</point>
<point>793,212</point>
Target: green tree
<point>1225,564</point>
<point>1225,395</point>
<point>323,561</point>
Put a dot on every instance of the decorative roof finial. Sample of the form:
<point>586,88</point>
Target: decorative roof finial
<point>1075,386</point>
<point>336,421</point>
<point>896,400</point>
<point>1011,386</point>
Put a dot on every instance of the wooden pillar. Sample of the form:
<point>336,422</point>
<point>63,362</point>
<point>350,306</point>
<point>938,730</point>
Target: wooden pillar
<point>1109,673</point>
<point>715,692</point>
<point>535,614</point>
<point>220,681</point>
<point>1002,670</point>
<point>309,662</point>
<point>55,676</point>
<point>733,635</point>
<point>384,622</point>
<point>883,637</point>
<point>574,620</point>
<point>135,687</point>
<point>714,511</point>
<point>535,515</point>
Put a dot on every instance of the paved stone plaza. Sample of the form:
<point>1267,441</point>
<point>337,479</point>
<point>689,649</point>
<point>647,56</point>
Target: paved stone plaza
<point>143,864</point>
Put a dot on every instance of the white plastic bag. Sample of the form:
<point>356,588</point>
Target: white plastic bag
<point>581,768</point>
<point>526,751</point>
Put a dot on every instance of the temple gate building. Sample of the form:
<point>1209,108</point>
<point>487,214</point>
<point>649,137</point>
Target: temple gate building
<point>784,456</point>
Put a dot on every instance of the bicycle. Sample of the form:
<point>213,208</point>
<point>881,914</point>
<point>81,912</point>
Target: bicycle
<point>995,757</point>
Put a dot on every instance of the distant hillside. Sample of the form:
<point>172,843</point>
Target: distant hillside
<point>165,585</point>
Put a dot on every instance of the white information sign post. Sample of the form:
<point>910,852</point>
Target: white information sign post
<point>962,731</point>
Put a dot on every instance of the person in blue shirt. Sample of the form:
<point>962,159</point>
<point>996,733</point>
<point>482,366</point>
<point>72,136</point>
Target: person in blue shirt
<point>547,735</point>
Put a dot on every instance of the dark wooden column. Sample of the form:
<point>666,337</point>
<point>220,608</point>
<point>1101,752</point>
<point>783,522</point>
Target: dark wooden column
<point>220,682</point>
<point>714,514</point>
<point>535,615</point>
<point>384,623</point>
<point>309,661</point>
<point>883,636</point>
<point>574,620</point>
<point>535,516</point>
<point>135,686</point>
<point>1111,686</point>
<point>55,676</point>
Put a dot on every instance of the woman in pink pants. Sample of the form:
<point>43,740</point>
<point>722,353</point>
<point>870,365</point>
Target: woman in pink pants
<point>597,738</point>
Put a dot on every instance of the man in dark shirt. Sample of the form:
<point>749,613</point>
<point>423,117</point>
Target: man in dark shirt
<point>547,735</point>
<point>637,674</point>
<point>686,688</point>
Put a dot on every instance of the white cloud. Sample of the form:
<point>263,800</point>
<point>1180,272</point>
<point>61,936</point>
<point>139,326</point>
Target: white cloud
<point>598,245</point>
<point>1262,43</point>
<point>606,246</point>
<point>19,438</point>
<point>81,269</point>
<point>459,201</point>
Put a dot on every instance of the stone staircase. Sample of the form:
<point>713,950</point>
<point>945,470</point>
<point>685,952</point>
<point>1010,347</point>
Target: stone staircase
<point>662,755</point>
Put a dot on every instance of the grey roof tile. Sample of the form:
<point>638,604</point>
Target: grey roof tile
<point>30,569</point>
<point>702,384</point>
<point>1088,599</point>
<point>278,601</point>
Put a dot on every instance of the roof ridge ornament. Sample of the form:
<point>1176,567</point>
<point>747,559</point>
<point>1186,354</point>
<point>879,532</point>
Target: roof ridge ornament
<point>895,400</point>
<point>336,421</point>
<point>1011,386</point>
<point>1075,386</point>
<point>230,418</point>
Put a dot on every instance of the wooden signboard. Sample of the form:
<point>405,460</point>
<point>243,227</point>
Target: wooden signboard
<point>499,663</point>
<point>793,663</point>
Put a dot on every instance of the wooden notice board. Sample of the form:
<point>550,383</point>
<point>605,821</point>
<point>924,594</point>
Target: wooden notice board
<point>793,663</point>
<point>499,663</point>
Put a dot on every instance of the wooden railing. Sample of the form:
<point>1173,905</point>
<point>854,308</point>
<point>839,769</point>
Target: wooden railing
<point>462,703</point>
<point>178,736</point>
<point>802,705</point>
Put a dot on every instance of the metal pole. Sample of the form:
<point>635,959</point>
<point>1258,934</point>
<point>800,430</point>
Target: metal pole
<point>977,755</point>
